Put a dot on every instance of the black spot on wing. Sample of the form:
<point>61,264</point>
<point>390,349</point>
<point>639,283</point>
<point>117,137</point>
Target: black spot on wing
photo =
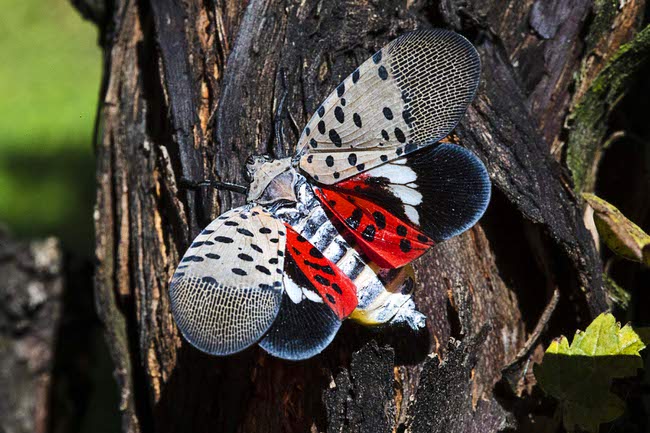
<point>380,219</point>
<point>245,257</point>
<point>223,239</point>
<point>263,269</point>
<point>352,159</point>
<point>338,113</point>
<point>382,72</point>
<point>376,57</point>
<point>245,232</point>
<point>329,161</point>
<point>336,139</point>
<point>354,219</point>
<point>238,271</point>
<point>405,245</point>
<point>357,120</point>
<point>388,113</point>
<point>369,233</point>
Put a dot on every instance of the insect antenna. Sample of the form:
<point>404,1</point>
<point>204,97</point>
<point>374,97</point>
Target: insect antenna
<point>226,186</point>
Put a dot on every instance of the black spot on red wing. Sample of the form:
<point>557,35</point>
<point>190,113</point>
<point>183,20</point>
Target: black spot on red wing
<point>213,256</point>
<point>340,90</point>
<point>336,139</point>
<point>300,238</point>
<point>295,251</point>
<point>330,298</point>
<point>369,233</point>
<point>361,167</point>
<point>357,119</point>
<point>337,289</point>
<point>357,188</point>
<point>327,269</point>
<point>352,159</point>
<point>400,135</point>
<point>314,252</point>
<point>388,113</point>
<point>322,280</point>
<point>380,219</point>
<point>238,271</point>
<point>321,127</point>
<point>384,135</point>
<point>354,219</point>
<point>313,143</point>
<point>401,230</point>
<point>265,230</point>
<point>338,113</point>
<point>336,175</point>
<point>312,265</point>
<point>384,158</point>
<point>331,203</point>
<point>405,245</point>
<point>245,257</point>
<point>382,72</point>
<point>231,223</point>
<point>376,57</point>
<point>329,161</point>
<point>321,111</point>
<point>423,238</point>
<point>263,269</point>
<point>245,232</point>
<point>223,239</point>
<point>355,76</point>
<point>256,248</point>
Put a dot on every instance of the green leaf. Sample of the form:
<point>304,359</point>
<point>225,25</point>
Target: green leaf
<point>580,375</point>
<point>620,234</point>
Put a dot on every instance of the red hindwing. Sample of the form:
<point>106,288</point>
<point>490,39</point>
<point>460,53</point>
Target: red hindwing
<point>385,239</point>
<point>336,289</point>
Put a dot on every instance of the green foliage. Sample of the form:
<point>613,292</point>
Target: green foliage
<point>589,118</point>
<point>620,234</point>
<point>49,82</point>
<point>580,375</point>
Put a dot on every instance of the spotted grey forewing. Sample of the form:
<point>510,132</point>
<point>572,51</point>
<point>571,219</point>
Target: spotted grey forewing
<point>409,95</point>
<point>227,289</point>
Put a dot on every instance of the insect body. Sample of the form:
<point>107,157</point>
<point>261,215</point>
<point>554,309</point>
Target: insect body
<point>329,233</point>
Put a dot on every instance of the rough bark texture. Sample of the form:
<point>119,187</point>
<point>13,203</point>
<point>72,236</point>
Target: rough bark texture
<point>31,304</point>
<point>190,90</point>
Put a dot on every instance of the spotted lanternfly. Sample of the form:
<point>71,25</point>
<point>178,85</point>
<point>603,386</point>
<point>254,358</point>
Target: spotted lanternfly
<point>329,234</point>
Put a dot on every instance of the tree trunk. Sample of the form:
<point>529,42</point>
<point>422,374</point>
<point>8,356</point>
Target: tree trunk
<point>190,90</point>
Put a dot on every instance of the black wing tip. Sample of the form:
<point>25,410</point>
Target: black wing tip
<point>481,189</point>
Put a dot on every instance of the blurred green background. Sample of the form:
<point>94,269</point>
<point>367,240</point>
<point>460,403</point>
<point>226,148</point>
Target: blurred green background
<point>49,82</point>
<point>50,73</point>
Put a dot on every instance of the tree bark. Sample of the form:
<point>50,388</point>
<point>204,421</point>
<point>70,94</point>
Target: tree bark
<point>190,89</point>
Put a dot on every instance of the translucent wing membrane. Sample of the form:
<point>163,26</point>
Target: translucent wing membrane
<point>410,94</point>
<point>227,289</point>
<point>318,296</point>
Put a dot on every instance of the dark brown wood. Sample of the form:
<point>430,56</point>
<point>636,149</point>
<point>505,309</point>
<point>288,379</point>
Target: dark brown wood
<point>191,89</point>
<point>31,305</point>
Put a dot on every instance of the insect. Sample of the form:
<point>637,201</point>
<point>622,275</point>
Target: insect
<point>329,233</point>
